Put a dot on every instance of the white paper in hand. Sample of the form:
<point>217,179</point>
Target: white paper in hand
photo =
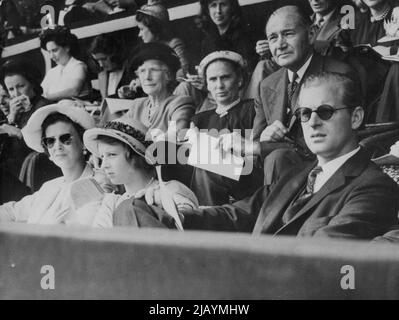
<point>206,154</point>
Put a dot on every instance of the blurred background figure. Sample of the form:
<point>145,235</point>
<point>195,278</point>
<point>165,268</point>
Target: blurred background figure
<point>69,78</point>
<point>22,81</point>
<point>111,56</point>
<point>154,25</point>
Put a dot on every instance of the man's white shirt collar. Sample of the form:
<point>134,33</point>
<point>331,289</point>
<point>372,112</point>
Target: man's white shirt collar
<point>331,167</point>
<point>301,71</point>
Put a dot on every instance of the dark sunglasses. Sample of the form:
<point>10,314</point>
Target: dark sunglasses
<point>65,139</point>
<point>324,112</point>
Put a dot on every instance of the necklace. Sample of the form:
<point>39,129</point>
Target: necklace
<point>381,16</point>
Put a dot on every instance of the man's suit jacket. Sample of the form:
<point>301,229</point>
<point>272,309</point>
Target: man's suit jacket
<point>358,201</point>
<point>103,77</point>
<point>272,99</point>
<point>328,32</point>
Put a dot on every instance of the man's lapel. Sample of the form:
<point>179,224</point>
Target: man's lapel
<point>103,83</point>
<point>277,202</point>
<point>277,97</point>
<point>331,27</point>
<point>351,168</point>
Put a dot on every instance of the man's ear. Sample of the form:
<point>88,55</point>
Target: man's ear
<point>357,117</point>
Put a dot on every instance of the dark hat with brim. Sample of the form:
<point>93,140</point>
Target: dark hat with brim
<point>157,51</point>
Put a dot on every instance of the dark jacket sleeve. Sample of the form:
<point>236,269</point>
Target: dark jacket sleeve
<point>240,216</point>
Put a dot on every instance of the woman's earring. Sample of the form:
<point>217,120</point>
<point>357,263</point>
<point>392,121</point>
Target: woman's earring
<point>84,151</point>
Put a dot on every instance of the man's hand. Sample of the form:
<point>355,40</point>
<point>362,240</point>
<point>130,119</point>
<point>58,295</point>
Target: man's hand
<point>274,132</point>
<point>234,142</point>
<point>262,47</point>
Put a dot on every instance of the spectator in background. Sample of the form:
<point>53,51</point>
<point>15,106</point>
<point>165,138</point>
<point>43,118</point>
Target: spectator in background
<point>156,65</point>
<point>154,25</point>
<point>224,29</point>
<point>22,81</point>
<point>110,54</point>
<point>224,74</point>
<point>69,78</point>
<point>106,7</point>
<point>4,104</point>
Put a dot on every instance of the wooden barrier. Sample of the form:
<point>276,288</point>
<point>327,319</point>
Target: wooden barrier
<point>156,264</point>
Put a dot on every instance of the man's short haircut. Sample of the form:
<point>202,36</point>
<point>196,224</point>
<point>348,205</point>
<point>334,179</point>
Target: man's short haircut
<point>352,95</point>
<point>303,15</point>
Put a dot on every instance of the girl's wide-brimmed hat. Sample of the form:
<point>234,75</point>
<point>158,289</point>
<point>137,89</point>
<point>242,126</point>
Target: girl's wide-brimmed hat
<point>32,132</point>
<point>127,130</point>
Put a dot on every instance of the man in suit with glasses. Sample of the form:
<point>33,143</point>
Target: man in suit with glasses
<point>342,194</point>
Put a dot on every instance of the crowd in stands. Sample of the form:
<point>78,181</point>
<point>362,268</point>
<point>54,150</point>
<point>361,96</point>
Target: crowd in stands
<point>294,106</point>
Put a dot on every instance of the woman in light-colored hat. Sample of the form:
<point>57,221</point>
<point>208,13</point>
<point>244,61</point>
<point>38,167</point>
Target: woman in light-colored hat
<point>121,145</point>
<point>56,130</point>
<point>154,25</point>
<point>224,74</point>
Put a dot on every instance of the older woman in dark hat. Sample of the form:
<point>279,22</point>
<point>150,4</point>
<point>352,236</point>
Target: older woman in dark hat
<point>156,66</point>
<point>69,78</point>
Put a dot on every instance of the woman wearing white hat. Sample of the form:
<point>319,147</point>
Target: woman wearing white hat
<point>121,145</point>
<point>56,130</point>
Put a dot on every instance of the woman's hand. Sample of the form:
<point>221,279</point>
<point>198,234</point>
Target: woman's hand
<point>196,81</point>
<point>16,107</point>
<point>11,131</point>
<point>395,150</point>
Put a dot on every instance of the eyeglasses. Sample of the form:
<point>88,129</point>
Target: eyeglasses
<point>65,139</point>
<point>143,71</point>
<point>324,112</point>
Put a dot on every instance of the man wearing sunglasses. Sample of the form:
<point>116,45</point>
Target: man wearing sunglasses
<point>290,34</point>
<point>342,194</point>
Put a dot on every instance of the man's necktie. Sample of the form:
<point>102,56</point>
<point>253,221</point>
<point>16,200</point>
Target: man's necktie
<point>301,201</point>
<point>312,179</point>
<point>291,88</point>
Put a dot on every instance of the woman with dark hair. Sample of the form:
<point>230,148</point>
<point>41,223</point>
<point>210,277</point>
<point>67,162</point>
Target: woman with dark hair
<point>225,29</point>
<point>56,130</point>
<point>111,56</point>
<point>69,78</point>
<point>154,24</point>
<point>22,81</point>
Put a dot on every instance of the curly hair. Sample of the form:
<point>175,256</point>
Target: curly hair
<point>62,36</point>
<point>24,69</point>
